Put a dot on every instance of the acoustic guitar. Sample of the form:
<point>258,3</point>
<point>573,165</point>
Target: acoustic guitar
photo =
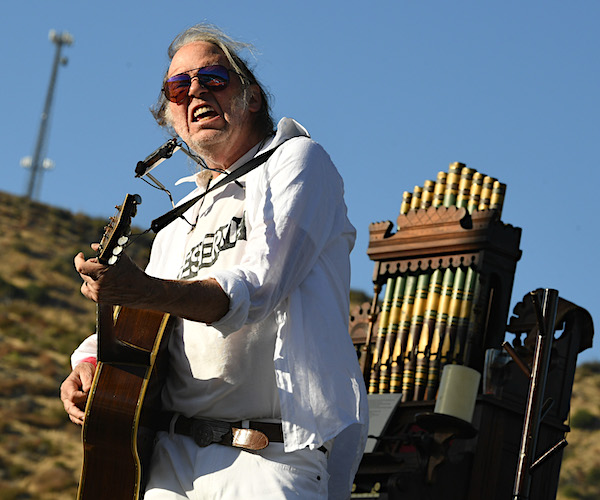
<point>118,433</point>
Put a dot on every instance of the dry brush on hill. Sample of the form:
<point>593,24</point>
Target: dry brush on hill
<point>43,317</point>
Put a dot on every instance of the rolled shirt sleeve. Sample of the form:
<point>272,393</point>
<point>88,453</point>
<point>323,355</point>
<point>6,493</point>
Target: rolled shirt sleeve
<point>297,216</point>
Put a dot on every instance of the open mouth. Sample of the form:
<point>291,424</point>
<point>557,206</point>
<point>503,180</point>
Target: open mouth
<point>203,113</point>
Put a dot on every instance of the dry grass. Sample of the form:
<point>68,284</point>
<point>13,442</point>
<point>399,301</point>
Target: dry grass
<point>42,317</point>
<point>580,473</point>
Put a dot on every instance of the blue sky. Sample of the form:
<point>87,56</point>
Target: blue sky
<point>394,90</point>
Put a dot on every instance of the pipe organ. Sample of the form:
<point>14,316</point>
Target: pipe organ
<point>442,282</point>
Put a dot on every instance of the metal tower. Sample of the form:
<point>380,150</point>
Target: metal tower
<point>38,163</point>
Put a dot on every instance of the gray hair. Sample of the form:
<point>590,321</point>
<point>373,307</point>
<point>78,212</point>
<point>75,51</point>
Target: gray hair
<point>231,48</point>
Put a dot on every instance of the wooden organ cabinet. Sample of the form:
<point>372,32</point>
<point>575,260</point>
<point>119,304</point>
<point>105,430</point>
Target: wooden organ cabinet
<point>443,281</point>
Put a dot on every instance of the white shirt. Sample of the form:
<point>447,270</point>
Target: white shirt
<point>288,283</point>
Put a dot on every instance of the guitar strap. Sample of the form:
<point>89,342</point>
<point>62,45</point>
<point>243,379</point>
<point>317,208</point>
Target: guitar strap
<point>165,219</point>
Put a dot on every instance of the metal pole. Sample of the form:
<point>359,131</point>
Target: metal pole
<point>59,39</point>
<point>537,387</point>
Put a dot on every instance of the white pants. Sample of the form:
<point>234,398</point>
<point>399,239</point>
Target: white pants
<point>181,470</point>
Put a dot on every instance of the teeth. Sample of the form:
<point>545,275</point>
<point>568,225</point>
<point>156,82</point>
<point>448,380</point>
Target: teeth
<point>200,111</point>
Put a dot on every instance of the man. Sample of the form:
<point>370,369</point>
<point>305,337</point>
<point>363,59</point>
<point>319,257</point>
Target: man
<point>258,273</point>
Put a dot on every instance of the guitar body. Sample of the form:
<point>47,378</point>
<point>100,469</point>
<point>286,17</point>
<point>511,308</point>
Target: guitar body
<point>118,430</point>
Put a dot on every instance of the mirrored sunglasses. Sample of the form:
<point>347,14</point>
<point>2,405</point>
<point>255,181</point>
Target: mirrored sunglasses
<point>215,78</point>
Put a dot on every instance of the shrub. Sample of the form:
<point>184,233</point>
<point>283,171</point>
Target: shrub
<point>593,476</point>
<point>36,294</point>
<point>589,368</point>
<point>570,491</point>
<point>583,419</point>
<point>8,290</point>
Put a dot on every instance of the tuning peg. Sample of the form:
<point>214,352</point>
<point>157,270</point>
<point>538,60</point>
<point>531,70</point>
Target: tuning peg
<point>113,260</point>
<point>117,250</point>
<point>122,241</point>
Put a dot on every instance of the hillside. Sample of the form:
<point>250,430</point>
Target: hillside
<point>43,317</point>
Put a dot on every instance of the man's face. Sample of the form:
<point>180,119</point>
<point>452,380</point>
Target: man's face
<point>216,124</point>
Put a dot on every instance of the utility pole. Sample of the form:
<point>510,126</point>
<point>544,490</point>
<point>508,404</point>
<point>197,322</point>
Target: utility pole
<point>37,163</point>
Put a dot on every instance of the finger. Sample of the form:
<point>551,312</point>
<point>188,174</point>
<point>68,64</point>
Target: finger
<point>78,260</point>
<point>82,266</point>
<point>87,376</point>
<point>74,404</point>
<point>72,409</point>
<point>77,398</point>
<point>77,421</point>
<point>90,266</point>
<point>87,291</point>
<point>73,387</point>
<point>76,416</point>
<point>70,385</point>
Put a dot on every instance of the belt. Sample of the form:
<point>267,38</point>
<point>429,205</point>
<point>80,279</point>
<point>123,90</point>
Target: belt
<point>207,431</point>
<point>254,436</point>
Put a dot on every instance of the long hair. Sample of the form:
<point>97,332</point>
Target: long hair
<point>231,48</point>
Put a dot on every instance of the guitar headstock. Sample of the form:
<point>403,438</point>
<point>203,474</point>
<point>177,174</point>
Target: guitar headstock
<point>116,234</point>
